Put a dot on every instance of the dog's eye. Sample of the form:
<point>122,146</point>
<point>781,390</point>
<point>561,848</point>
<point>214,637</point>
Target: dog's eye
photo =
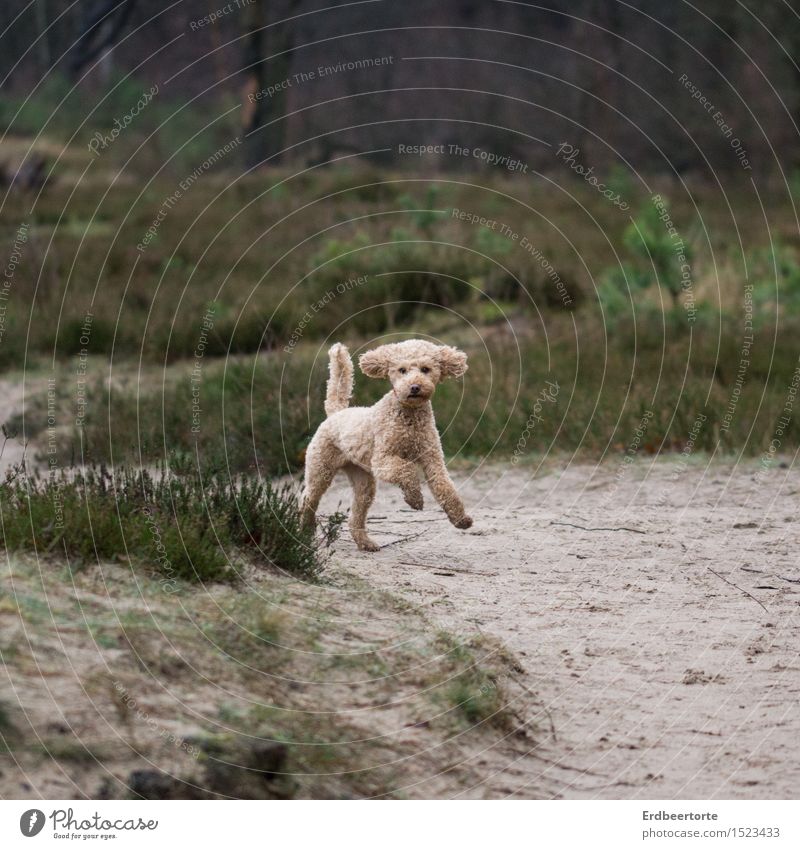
<point>402,370</point>
<point>425,369</point>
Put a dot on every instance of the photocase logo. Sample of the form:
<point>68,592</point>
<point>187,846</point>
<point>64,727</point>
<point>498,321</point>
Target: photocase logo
<point>67,826</point>
<point>31,822</point>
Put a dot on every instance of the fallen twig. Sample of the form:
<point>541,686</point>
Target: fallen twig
<point>403,539</point>
<point>735,586</point>
<point>583,528</point>
<point>398,521</point>
<point>770,575</point>
<point>564,766</point>
<point>452,568</point>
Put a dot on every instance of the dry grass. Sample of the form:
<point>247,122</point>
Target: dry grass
<point>341,691</point>
<point>258,251</point>
<point>258,413</point>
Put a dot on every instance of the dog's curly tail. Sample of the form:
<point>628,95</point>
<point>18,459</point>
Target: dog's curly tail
<point>340,382</point>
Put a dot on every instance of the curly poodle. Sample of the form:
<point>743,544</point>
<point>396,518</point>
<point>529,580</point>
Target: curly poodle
<point>389,440</point>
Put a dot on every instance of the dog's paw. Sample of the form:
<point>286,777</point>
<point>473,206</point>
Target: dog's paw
<point>414,500</point>
<point>463,523</point>
<point>364,543</point>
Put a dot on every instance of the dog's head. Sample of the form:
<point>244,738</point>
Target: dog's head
<point>414,367</point>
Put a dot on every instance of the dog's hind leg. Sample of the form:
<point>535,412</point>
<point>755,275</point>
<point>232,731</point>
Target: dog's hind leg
<point>363,484</point>
<point>317,484</point>
<point>320,471</point>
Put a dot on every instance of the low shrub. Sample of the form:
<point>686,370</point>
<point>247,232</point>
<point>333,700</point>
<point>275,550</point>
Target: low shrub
<point>179,525</point>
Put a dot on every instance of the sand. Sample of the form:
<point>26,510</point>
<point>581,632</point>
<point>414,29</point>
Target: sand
<point>653,606</point>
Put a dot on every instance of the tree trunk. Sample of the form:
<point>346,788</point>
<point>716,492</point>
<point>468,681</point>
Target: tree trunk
<point>267,63</point>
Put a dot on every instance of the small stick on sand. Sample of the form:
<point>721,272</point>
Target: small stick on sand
<point>749,595</point>
<point>582,528</point>
<point>403,539</point>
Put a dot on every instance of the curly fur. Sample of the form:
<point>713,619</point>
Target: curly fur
<point>389,441</point>
<point>340,381</point>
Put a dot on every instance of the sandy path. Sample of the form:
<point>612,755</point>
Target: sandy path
<point>649,675</point>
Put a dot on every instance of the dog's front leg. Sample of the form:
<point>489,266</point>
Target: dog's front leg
<point>443,489</point>
<point>403,473</point>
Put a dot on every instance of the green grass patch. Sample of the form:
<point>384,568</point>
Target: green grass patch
<point>181,527</point>
<point>258,414</point>
<point>474,693</point>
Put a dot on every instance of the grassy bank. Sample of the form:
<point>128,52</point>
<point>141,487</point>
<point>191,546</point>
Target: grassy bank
<point>207,338</point>
<point>238,261</point>
<point>277,692</point>
<point>647,384</point>
<point>179,526</point>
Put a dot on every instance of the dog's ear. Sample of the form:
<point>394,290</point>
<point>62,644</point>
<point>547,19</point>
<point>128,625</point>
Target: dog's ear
<point>375,363</point>
<point>452,362</point>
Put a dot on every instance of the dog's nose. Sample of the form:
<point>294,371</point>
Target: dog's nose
<point>415,387</point>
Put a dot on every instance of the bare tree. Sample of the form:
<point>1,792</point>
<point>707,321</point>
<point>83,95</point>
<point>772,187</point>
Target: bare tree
<point>267,63</point>
<point>102,24</point>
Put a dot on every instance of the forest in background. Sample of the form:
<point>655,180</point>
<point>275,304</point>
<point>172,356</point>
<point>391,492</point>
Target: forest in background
<point>622,82</point>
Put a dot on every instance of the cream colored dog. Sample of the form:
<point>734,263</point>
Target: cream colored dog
<point>389,440</point>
